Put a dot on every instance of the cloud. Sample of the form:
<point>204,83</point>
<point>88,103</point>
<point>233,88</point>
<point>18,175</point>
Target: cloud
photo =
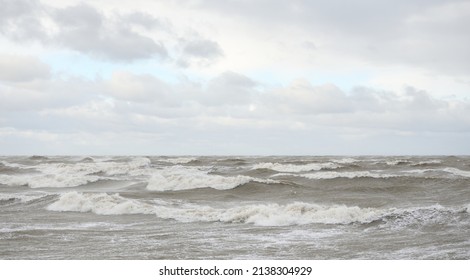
<point>419,33</point>
<point>18,68</point>
<point>202,48</point>
<point>139,88</point>
<point>84,29</point>
<point>199,52</point>
<point>81,28</point>
<point>227,108</point>
<point>21,20</point>
<point>300,97</point>
<point>229,88</point>
<point>267,75</point>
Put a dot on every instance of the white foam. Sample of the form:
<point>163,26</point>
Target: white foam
<point>183,178</point>
<point>333,174</point>
<point>295,168</point>
<point>22,197</point>
<point>99,203</point>
<point>273,214</point>
<point>397,162</point>
<point>427,162</point>
<point>59,180</point>
<point>179,160</point>
<point>14,165</point>
<point>346,160</point>
<point>60,175</point>
<point>432,214</point>
<point>457,172</point>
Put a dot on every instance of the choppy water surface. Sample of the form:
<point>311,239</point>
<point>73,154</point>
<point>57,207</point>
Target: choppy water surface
<point>234,207</point>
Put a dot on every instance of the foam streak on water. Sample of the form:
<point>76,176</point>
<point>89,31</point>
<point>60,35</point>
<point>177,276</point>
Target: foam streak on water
<point>234,207</point>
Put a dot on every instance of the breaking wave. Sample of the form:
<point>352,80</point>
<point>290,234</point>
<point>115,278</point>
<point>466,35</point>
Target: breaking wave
<point>60,175</point>
<point>58,180</point>
<point>272,214</point>
<point>99,203</point>
<point>179,160</point>
<point>21,198</point>
<point>296,213</point>
<point>182,178</point>
<point>457,172</point>
<point>333,175</point>
<point>295,168</point>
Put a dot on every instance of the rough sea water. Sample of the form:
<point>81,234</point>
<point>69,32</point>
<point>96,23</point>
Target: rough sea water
<point>234,207</point>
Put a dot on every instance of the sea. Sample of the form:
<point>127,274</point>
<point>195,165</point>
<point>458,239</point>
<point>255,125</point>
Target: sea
<point>234,208</point>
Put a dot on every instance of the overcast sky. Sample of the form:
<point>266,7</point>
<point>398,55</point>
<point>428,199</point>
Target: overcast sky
<point>257,77</point>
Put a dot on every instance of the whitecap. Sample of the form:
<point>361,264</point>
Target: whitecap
<point>296,213</point>
<point>21,197</point>
<point>178,160</point>
<point>99,203</point>
<point>457,172</point>
<point>183,178</point>
<point>333,175</point>
<point>295,168</point>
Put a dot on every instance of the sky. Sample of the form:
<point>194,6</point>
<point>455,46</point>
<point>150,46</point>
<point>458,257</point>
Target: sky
<point>226,77</point>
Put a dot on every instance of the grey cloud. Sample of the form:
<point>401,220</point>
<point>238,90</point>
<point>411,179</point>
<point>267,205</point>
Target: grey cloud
<point>300,97</point>
<point>202,48</point>
<point>15,68</point>
<point>84,29</point>
<point>201,52</point>
<point>411,110</point>
<point>42,94</point>
<point>145,20</point>
<point>229,88</point>
<point>20,20</point>
<point>140,88</point>
<point>231,102</point>
<point>425,33</point>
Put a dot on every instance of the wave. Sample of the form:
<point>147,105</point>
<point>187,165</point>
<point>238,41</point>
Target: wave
<point>179,160</point>
<point>295,168</point>
<point>178,178</point>
<point>457,172</point>
<point>60,180</point>
<point>36,157</point>
<point>63,175</point>
<point>333,175</point>
<point>425,215</point>
<point>346,160</point>
<point>21,197</point>
<point>427,163</point>
<point>295,213</point>
<point>398,162</point>
<point>300,213</point>
<point>93,167</point>
<point>99,203</point>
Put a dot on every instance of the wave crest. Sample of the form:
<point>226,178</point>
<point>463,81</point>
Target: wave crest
<point>99,203</point>
<point>182,178</point>
<point>333,175</point>
<point>295,168</point>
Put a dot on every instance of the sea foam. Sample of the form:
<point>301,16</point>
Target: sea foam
<point>99,203</point>
<point>63,175</point>
<point>324,175</point>
<point>295,168</point>
<point>183,178</point>
<point>272,214</point>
